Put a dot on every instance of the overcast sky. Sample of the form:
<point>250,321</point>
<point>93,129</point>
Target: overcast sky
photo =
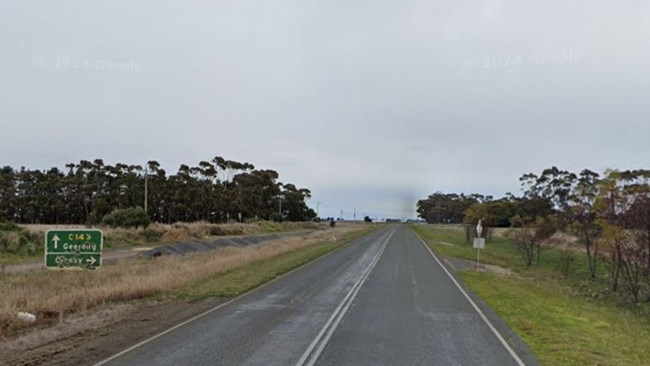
<point>370,104</point>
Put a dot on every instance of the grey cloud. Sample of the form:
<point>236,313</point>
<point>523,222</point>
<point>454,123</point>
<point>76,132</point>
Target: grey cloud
<point>368,103</point>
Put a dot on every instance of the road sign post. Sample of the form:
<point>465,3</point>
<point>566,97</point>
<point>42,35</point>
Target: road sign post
<point>73,249</point>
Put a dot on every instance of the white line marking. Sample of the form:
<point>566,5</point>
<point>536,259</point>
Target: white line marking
<point>121,353</point>
<point>478,310</point>
<point>310,355</point>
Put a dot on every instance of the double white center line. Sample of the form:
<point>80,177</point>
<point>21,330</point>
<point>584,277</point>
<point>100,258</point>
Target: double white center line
<point>318,344</point>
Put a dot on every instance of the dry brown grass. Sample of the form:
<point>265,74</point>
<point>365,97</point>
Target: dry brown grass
<point>177,232</point>
<point>71,291</point>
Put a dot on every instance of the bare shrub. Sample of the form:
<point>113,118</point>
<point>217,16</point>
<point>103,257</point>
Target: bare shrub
<point>531,240</point>
<point>567,257</point>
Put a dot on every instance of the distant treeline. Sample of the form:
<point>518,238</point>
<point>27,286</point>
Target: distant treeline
<point>214,191</point>
<point>453,208</point>
<point>608,215</point>
<point>553,192</point>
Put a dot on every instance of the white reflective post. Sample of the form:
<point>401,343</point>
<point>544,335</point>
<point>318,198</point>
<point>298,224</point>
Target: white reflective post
<point>478,242</point>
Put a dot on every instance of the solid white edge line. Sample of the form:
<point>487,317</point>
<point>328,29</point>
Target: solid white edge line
<point>127,350</point>
<point>339,312</point>
<point>478,310</point>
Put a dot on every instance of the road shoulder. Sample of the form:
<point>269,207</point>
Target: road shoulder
<point>84,340</point>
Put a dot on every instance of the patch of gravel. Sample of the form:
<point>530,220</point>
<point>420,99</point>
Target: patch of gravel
<point>72,324</point>
<point>86,340</point>
<point>461,265</point>
<point>440,242</point>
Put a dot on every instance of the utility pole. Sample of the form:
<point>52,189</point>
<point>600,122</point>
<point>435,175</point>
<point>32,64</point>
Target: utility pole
<point>355,214</point>
<point>146,188</point>
<point>341,217</point>
<point>318,209</point>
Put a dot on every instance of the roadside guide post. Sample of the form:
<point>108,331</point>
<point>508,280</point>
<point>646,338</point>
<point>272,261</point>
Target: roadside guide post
<point>479,243</point>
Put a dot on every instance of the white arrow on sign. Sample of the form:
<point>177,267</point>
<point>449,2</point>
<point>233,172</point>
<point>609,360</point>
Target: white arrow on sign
<point>92,260</point>
<point>55,240</point>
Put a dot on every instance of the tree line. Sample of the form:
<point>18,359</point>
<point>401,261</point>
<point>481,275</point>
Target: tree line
<point>216,191</point>
<point>608,216</point>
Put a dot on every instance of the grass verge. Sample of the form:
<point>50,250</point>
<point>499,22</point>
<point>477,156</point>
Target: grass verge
<point>560,328</point>
<point>564,320</point>
<point>252,275</point>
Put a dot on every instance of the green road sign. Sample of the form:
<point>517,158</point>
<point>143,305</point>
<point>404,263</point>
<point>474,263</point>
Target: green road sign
<point>73,249</point>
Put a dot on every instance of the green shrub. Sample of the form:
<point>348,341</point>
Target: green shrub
<point>271,226</point>
<point>9,226</point>
<point>10,241</point>
<point>128,217</point>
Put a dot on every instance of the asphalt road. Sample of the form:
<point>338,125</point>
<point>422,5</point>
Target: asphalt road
<point>383,300</point>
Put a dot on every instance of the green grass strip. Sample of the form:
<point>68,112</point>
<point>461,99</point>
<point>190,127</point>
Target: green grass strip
<point>562,329</point>
<point>236,282</point>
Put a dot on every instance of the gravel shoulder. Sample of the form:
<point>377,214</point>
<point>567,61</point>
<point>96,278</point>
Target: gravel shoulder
<point>461,265</point>
<point>86,340</point>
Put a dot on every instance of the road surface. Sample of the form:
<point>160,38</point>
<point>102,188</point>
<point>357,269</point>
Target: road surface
<point>383,300</point>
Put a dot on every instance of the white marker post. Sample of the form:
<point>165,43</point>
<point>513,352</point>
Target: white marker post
<point>479,243</point>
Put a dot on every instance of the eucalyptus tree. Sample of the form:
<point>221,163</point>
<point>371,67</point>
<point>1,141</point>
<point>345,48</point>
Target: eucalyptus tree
<point>257,193</point>
<point>8,194</point>
<point>231,202</point>
<point>52,202</point>
<point>446,208</point>
<point>624,211</point>
<point>156,181</point>
<point>293,203</point>
<point>26,193</point>
<point>89,190</point>
<point>572,197</point>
